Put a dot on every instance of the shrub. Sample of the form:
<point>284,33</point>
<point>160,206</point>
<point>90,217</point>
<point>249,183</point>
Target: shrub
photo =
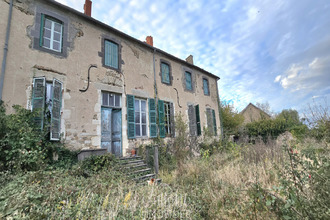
<point>24,146</point>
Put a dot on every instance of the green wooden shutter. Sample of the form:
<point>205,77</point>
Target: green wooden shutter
<point>172,120</point>
<point>152,118</point>
<point>161,117</point>
<point>130,117</point>
<point>55,127</point>
<point>38,99</point>
<point>198,120</point>
<point>214,123</point>
<point>42,24</point>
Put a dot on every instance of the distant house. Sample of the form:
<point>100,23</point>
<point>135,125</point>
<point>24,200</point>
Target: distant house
<point>252,113</point>
<point>102,87</point>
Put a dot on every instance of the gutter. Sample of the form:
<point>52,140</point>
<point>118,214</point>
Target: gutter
<point>5,49</point>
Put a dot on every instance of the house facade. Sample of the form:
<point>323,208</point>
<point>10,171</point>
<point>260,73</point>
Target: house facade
<point>97,87</point>
<point>252,113</point>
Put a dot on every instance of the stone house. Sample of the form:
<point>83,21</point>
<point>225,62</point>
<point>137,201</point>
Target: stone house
<point>252,113</point>
<point>95,86</point>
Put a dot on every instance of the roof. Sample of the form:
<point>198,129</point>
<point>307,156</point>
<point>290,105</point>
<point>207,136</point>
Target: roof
<point>250,104</point>
<point>128,37</point>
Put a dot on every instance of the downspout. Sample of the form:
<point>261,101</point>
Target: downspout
<point>155,83</point>
<point>5,49</point>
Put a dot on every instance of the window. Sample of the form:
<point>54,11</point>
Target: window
<point>48,94</point>
<point>110,54</point>
<point>188,80</point>
<point>140,117</point>
<point>211,121</point>
<point>165,71</point>
<point>206,87</point>
<point>194,120</point>
<point>51,33</point>
<point>111,100</point>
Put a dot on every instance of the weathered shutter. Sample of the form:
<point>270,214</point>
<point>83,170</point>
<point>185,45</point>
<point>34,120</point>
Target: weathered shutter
<point>192,120</point>
<point>107,53</point>
<point>114,55</point>
<point>38,99</point>
<point>214,123</point>
<point>206,87</point>
<point>172,121</point>
<point>55,126</point>
<point>161,117</point>
<point>198,120</point>
<point>188,81</point>
<point>165,73</point>
<point>209,118</point>
<point>130,117</point>
<point>152,118</point>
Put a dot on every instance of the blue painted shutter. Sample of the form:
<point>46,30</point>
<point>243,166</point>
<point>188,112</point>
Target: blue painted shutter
<point>152,118</point>
<point>130,117</point>
<point>55,128</point>
<point>188,81</point>
<point>38,99</point>
<point>214,123</point>
<point>110,54</point>
<point>198,121</point>
<point>42,24</point>
<point>161,117</point>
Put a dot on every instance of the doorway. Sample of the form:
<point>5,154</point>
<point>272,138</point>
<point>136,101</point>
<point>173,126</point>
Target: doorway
<point>111,130</point>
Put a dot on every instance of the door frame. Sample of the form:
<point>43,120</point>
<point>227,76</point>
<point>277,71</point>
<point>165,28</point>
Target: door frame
<point>121,127</point>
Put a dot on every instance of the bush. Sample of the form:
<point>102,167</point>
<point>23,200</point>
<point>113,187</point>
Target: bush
<point>24,146</point>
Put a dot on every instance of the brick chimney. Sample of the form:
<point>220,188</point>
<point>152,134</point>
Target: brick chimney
<point>150,40</point>
<point>190,59</point>
<point>88,8</point>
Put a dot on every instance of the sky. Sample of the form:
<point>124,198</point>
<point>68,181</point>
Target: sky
<point>275,51</point>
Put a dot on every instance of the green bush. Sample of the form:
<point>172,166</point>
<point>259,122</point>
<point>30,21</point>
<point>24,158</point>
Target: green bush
<point>24,146</point>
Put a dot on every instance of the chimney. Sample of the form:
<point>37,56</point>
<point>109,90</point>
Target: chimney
<point>190,59</point>
<point>88,8</point>
<point>150,40</point>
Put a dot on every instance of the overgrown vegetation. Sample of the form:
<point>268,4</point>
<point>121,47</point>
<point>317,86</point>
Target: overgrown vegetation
<point>272,178</point>
<point>231,119</point>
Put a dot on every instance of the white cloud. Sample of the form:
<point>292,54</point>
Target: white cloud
<point>277,79</point>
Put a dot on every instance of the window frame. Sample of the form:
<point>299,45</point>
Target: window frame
<point>54,21</point>
<point>105,60</point>
<point>169,72</point>
<point>191,80</point>
<point>109,94</point>
<point>35,33</point>
<point>208,86</point>
<point>140,124</point>
<point>101,53</point>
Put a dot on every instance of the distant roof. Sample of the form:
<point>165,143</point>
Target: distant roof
<point>250,104</point>
<point>129,37</point>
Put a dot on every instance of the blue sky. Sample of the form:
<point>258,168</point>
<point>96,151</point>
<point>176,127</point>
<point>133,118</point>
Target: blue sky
<point>275,51</point>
